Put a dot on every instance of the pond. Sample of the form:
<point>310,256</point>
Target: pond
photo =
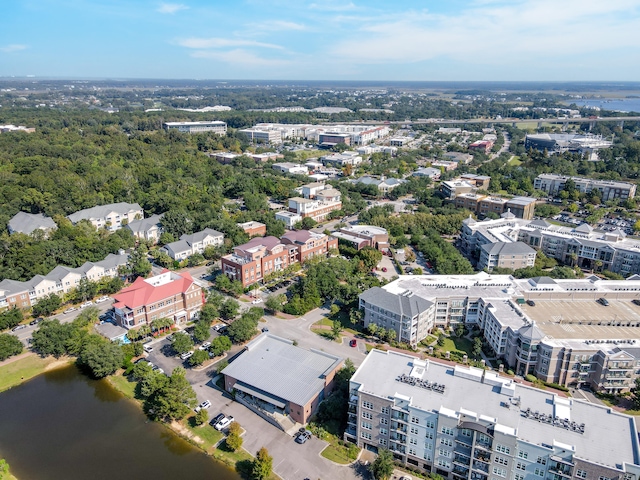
<point>64,426</point>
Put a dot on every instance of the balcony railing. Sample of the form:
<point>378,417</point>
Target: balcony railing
<point>483,467</point>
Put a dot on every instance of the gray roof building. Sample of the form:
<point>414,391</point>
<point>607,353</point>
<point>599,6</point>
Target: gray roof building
<point>28,223</point>
<point>109,216</point>
<point>147,228</point>
<point>273,370</point>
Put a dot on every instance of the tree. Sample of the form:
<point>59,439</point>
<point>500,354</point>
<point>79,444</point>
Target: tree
<point>201,416</point>
<point>234,440</point>
<point>391,335</point>
<point>85,290</point>
<point>9,345</point>
<point>229,309</point>
<point>181,343</point>
<point>635,394</point>
<point>175,400</point>
<point>460,330</point>
<point>262,465</point>
<point>100,356</point>
<point>202,331</point>
<point>52,337</point>
<point>275,302</point>
<point>47,305</point>
<point>334,310</point>
<point>308,223</point>
<point>219,345</point>
<point>243,329</point>
<point>477,347</point>
<point>382,466</point>
<point>176,223</point>
<point>372,328</point>
<point>138,264</point>
<point>336,328</point>
<point>141,370</point>
<point>440,340</point>
<point>198,357</point>
<point>10,318</point>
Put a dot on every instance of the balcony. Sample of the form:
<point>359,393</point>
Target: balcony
<point>482,456</point>
<point>478,476</point>
<point>483,445</point>
<point>401,417</point>
<point>483,467</point>
<point>397,448</point>
<point>460,460</point>
<point>463,450</point>
<point>398,437</point>
<point>458,470</point>
<point>466,441</point>
<point>398,427</point>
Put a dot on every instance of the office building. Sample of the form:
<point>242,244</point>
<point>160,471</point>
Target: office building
<point>609,190</point>
<point>217,127</point>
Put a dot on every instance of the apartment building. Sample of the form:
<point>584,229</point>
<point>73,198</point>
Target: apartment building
<point>253,229</point>
<point>465,423</point>
<point>109,216</point>
<point>520,207</point>
<point>450,189</point>
<point>570,332</point>
<point>28,223</point>
<point>340,160</point>
<point>609,190</point>
<point>331,139</point>
<point>370,135</point>
<point>290,168</point>
<point>481,182</point>
<point>168,295</point>
<point>290,219</point>
<point>361,236</point>
<point>251,262</point>
<point>60,280</point>
<point>192,243</point>
<point>383,184</point>
<point>506,255</point>
<point>217,127</point>
<point>315,209</point>
<point>582,246</point>
<point>481,146</point>
<point>148,229</point>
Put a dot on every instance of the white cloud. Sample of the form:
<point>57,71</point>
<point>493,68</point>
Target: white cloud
<point>171,8</point>
<point>239,57</point>
<point>494,32</point>
<point>333,6</point>
<point>14,47</point>
<point>277,26</point>
<point>203,43</point>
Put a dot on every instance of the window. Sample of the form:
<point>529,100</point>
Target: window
<point>517,476</point>
<point>368,405</point>
<point>428,446</point>
<point>465,432</point>
<point>427,456</point>
<point>522,454</point>
<point>430,424</point>
<point>503,449</point>
<point>365,435</point>
<point>500,460</point>
<point>384,421</point>
<point>539,472</point>
<point>429,435</point>
<point>603,478</point>
<point>414,430</point>
<point>415,420</point>
<point>412,451</point>
<point>501,472</point>
<point>366,425</point>
<point>521,466</point>
<point>383,441</point>
<point>444,453</point>
<point>413,441</point>
<point>447,431</point>
<point>541,460</point>
<point>446,441</point>
<point>367,415</point>
<point>581,474</point>
<point>444,463</point>
<point>385,410</point>
<point>383,431</point>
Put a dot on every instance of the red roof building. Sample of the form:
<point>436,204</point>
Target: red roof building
<point>168,295</point>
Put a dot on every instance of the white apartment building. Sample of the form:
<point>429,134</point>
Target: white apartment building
<point>109,216</point>
<point>263,135</point>
<point>582,245</point>
<point>553,329</point>
<point>610,190</point>
<point>190,244</point>
<point>465,423</point>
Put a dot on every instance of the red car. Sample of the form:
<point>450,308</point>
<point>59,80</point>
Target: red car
<point>353,343</point>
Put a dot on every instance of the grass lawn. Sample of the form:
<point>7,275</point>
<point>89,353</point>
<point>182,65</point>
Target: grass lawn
<point>326,334</point>
<point>455,344</point>
<point>207,433</point>
<point>340,454</point>
<point>514,161</point>
<point>15,373</point>
<point>123,385</point>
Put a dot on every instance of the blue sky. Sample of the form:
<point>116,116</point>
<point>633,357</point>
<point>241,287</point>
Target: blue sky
<point>556,40</point>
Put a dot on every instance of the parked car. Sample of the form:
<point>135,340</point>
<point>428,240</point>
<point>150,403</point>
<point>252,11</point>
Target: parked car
<point>531,303</point>
<point>256,301</point>
<point>147,348</point>
<point>216,419</point>
<point>384,269</point>
<point>35,321</point>
<point>18,327</point>
<point>204,346</point>
<point>635,301</point>
<point>186,355</point>
<point>353,343</point>
<point>302,437</point>
<point>603,301</point>
<point>102,299</point>
<point>70,309</point>
<point>265,330</point>
<point>203,406</point>
<point>86,304</point>
<point>224,423</point>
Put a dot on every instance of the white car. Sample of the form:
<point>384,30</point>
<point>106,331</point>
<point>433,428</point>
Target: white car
<point>86,304</point>
<point>203,406</point>
<point>102,299</point>
<point>186,355</point>
<point>147,348</point>
<point>70,309</point>
<point>257,300</point>
<point>224,423</point>
<point>204,346</point>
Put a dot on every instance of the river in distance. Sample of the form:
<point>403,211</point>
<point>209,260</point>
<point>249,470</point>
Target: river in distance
<point>64,426</point>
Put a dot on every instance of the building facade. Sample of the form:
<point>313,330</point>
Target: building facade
<point>168,295</point>
<point>217,127</point>
<point>361,236</point>
<point>464,423</point>
<point>609,190</point>
<point>110,217</point>
<point>254,229</point>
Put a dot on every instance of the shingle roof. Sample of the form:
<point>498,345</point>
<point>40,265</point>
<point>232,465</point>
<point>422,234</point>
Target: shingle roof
<point>502,248</point>
<point>101,211</point>
<point>141,293</point>
<point>27,223</point>
<point>145,224</point>
<point>410,305</point>
<point>276,366</point>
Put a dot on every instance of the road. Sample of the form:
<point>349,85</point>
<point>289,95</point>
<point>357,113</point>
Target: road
<point>291,460</point>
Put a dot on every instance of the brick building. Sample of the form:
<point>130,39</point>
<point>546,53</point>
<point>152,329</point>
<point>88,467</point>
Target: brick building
<point>168,295</point>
